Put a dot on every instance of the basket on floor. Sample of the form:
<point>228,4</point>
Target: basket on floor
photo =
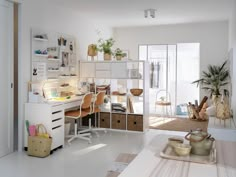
<point>40,145</point>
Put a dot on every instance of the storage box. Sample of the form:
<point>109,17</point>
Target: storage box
<point>135,122</point>
<point>105,120</point>
<point>119,121</point>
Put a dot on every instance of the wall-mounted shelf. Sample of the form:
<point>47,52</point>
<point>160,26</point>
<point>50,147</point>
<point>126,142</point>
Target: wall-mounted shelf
<point>53,59</point>
<point>57,53</point>
<point>40,55</point>
<point>39,39</point>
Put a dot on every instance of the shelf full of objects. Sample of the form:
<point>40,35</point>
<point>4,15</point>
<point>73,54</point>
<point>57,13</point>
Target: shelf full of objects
<point>125,105</point>
<point>53,55</point>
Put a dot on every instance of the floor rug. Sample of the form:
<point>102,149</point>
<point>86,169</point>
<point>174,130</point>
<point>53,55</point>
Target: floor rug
<point>176,124</point>
<point>121,162</point>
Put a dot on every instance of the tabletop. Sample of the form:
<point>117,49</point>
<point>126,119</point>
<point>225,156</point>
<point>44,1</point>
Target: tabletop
<point>148,163</point>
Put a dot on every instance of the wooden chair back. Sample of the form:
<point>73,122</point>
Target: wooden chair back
<point>87,101</point>
<point>100,98</point>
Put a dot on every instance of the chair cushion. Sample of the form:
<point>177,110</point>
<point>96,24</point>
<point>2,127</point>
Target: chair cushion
<point>97,110</point>
<point>75,113</point>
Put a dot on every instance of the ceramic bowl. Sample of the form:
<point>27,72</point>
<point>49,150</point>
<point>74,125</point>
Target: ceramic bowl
<point>182,149</point>
<point>175,140</point>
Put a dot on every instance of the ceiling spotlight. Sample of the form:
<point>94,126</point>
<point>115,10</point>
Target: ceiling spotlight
<point>150,12</point>
<point>145,13</point>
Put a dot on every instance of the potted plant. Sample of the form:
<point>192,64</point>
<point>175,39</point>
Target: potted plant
<point>105,46</point>
<point>215,79</point>
<point>119,54</point>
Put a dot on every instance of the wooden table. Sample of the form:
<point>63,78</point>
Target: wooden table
<point>148,163</point>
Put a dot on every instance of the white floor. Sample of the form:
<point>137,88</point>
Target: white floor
<point>86,160</point>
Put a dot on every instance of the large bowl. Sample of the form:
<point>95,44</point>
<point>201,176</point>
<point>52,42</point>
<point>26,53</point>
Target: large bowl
<point>175,140</point>
<point>182,149</point>
<point>136,91</point>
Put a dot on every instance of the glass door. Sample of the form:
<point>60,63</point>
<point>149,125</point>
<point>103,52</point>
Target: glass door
<point>172,69</point>
<point>187,71</point>
<point>162,59</point>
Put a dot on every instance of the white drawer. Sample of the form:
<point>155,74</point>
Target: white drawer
<point>57,122</point>
<point>58,137</point>
<point>73,104</point>
<point>57,108</point>
<point>58,115</point>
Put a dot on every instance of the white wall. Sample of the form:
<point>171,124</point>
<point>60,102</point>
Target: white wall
<point>212,36</point>
<point>43,15</point>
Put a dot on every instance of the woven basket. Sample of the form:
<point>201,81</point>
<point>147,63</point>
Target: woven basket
<point>39,146</point>
<point>136,91</point>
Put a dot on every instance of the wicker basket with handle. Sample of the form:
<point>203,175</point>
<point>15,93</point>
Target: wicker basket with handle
<point>39,146</point>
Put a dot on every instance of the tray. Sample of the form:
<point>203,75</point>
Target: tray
<point>169,153</point>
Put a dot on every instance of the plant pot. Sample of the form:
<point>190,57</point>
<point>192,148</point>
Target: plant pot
<point>216,99</point>
<point>107,56</point>
<point>92,50</point>
<point>118,57</point>
<point>222,106</point>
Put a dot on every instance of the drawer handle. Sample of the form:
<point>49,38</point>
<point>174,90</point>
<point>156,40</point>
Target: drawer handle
<point>56,119</point>
<point>56,112</point>
<point>135,122</point>
<point>103,120</point>
<point>118,121</point>
<point>56,127</point>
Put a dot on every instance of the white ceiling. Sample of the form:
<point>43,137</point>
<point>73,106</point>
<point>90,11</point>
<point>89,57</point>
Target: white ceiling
<point>117,13</point>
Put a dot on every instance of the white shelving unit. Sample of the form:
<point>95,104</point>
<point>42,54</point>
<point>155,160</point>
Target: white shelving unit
<point>123,110</point>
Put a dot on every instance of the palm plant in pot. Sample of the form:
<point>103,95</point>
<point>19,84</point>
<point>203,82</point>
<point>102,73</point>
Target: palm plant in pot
<point>105,46</point>
<point>215,80</point>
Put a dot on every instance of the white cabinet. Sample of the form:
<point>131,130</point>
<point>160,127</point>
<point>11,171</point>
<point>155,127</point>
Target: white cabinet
<point>127,112</point>
<point>51,116</point>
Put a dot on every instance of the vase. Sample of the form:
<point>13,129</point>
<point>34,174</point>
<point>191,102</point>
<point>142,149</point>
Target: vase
<point>107,56</point>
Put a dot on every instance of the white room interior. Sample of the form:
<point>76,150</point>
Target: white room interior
<point>210,23</point>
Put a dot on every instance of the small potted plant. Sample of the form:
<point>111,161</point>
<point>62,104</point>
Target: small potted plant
<point>119,54</point>
<point>105,46</point>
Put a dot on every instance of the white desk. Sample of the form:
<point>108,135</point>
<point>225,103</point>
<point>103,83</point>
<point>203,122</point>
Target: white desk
<point>149,164</point>
<point>51,115</point>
